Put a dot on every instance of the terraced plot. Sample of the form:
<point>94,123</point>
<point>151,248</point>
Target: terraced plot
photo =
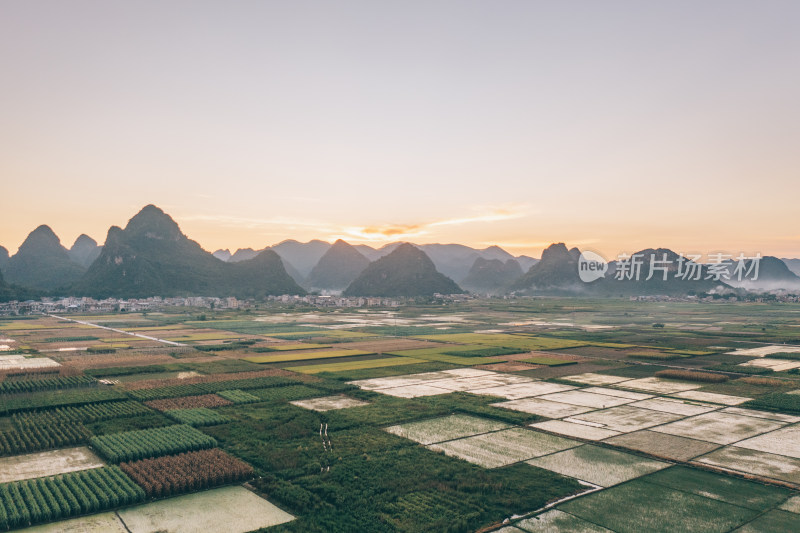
<point>599,466</point>
<point>505,447</point>
<point>445,428</point>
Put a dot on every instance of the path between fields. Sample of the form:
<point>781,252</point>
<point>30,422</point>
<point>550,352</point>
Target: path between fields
<point>131,333</point>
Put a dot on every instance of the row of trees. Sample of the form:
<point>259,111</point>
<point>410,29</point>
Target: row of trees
<point>93,412</point>
<point>187,472</point>
<point>32,501</point>
<point>29,437</point>
<point>15,386</point>
<point>155,442</point>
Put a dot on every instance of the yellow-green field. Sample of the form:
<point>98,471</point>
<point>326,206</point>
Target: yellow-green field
<point>317,354</point>
<point>507,341</point>
<point>355,365</point>
<point>298,346</point>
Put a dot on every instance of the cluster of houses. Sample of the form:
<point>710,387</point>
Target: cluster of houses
<point>156,303</point>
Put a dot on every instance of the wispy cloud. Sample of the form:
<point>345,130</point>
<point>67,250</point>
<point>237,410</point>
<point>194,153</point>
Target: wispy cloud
<point>371,233</point>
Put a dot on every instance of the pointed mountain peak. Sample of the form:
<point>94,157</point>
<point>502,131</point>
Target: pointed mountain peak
<point>84,241</point>
<point>152,222</point>
<point>42,235</point>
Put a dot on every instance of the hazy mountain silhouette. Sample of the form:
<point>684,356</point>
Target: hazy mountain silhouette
<point>491,276</point>
<point>302,255</point>
<point>556,270</point>
<point>152,257</point>
<point>42,263</point>
<point>337,269</point>
<point>84,251</point>
<point>407,271</point>
<point>222,255</point>
<point>773,274</point>
<point>3,257</point>
<point>793,264</point>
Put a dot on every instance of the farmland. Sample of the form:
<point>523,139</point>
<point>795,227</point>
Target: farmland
<point>320,421</point>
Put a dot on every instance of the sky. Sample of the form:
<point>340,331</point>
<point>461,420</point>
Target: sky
<point>612,126</point>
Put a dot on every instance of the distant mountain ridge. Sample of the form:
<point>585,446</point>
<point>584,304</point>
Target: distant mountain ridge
<point>42,263</point>
<point>492,276</point>
<point>85,250</point>
<point>406,271</point>
<point>337,268</point>
<point>152,257</point>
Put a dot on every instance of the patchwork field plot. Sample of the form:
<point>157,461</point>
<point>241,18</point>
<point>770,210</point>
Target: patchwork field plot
<point>711,397</point>
<point>556,521</point>
<point>720,428</point>
<point>96,523</point>
<point>754,462</point>
<point>507,341</point>
<point>445,428</point>
<point>792,505</point>
<point>329,403</point>
<point>625,418</point>
<point>305,356</point>
<point>525,390</point>
<point>600,466</point>
<point>20,362</point>
<point>776,365</point>
<point>663,445</point>
<point>586,399</point>
<point>677,407</point>
<point>766,350</point>
<point>355,365</point>
<point>399,381</point>
<point>775,520</point>
<point>229,509</point>
<point>144,443</point>
<point>727,489</point>
<point>675,510</point>
<point>504,447</point>
<point>546,408</point>
<point>415,391</point>
<point>47,464</point>
<point>577,430</point>
<point>200,416</point>
<point>784,441</point>
<point>659,385</point>
<point>618,393</point>
<point>769,415</point>
<point>591,378</point>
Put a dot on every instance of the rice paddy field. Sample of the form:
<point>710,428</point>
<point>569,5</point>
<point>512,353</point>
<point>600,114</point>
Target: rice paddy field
<point>510,415</point>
